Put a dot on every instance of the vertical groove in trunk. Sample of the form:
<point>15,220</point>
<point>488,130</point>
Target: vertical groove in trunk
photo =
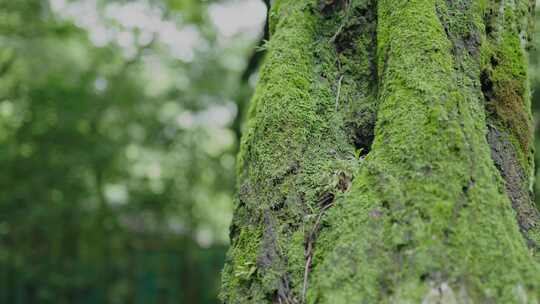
<point>387,144</point>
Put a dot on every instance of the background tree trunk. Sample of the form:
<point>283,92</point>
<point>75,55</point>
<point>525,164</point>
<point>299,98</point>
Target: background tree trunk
<point>388,157</point>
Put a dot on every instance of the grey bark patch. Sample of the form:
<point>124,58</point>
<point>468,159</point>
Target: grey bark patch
<point>504,156</point>
<point>440,294</point>
<point>269,262</point>
<point>283,294</point>
<point>268,253</point>
<point>469,41</point>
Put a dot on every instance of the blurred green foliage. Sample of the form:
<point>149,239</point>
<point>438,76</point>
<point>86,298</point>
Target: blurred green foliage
<point>117,154</point>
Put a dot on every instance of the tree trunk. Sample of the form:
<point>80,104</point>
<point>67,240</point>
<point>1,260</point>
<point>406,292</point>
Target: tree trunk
<point>388,157</point>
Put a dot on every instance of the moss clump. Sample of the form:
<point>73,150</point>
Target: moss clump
<point>242,269</point>
<point>506,91</point>
<point>421,213</point>
<point>509,111</point>
<point>507,102</point>
<point>427,213</point>
<point>295,151</point>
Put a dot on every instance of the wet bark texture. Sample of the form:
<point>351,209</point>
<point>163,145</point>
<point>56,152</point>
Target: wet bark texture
<point>388,157</point>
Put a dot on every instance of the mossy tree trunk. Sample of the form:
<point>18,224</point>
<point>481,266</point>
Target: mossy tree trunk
<point>388,157</point>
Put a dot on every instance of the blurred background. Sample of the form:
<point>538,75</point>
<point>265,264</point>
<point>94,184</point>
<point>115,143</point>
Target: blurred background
<point>119,125</point>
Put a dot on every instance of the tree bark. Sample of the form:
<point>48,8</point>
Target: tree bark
<point>388,157</point>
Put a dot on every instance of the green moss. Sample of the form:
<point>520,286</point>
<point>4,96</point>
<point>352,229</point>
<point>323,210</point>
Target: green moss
<point>507,92</point>
<point>426,215</point>
<point>504,61</point>
<point>428,208</point>
<point>282,173</point>
<point>242,269</point>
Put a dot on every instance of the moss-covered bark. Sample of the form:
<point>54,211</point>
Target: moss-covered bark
<point>387,157</point>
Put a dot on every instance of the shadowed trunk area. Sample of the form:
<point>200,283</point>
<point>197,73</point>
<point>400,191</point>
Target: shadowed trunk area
<point>387,157</point>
